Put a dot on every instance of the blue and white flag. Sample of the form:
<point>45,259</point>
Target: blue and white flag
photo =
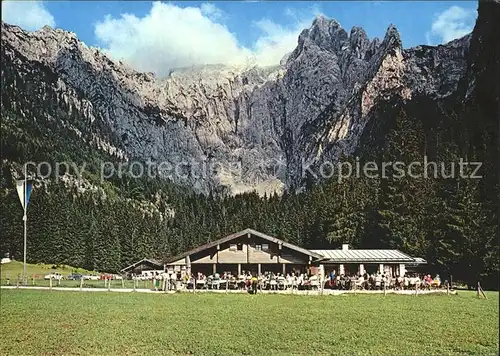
<point>24,189</point>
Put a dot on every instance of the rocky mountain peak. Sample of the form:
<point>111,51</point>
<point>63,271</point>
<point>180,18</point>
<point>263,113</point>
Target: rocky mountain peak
<point>327,34</point>
<point>257,124</point>
<point>358,36</point>
<point>392,38</point>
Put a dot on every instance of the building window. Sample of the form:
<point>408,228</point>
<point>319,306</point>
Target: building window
<point>240,247</point>
<point>265,247</point>
<point>233,247</point>
<point>258,247</point>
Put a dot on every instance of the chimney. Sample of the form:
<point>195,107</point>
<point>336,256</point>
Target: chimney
<point>345,247</point>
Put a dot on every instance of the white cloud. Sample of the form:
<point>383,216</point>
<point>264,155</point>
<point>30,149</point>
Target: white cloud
<point>212,12</point>
<point>171,36</point>
<point>276,41</point>
<point>30,15</point>
<point>452,23</point>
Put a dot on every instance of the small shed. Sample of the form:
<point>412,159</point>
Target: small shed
<point>146,264</point>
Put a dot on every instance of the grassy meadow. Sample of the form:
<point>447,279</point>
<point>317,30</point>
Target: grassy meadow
<point>14,270</point>
<point>78,323</point>
<point>11,273</point>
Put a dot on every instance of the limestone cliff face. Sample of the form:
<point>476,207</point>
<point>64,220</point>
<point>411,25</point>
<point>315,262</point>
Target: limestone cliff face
<point>241,127</point>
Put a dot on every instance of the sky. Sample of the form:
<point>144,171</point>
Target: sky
<point>157,36</point>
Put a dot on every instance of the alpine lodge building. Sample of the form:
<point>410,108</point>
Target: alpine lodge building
<point>255,252</point>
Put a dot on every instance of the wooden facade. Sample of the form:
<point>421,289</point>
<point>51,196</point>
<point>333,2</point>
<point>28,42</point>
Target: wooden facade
<point>247,250</point>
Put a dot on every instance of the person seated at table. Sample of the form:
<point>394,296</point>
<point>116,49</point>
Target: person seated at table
<point>336,283</point>
<point>331,278</point>
<point>399,282</point>
<point>281,281</point>
<point>436,282</point>
<point>371,281</point>
<point>406,282</point>
<point>360,282</point>
<point>412,281</point>
<point>273,283</point>
<point>428,280</point>
<point>300,281</point>
<point>348,283</point>
<point>313,282</point>
<point>241,282</point>
<point>344,282</point>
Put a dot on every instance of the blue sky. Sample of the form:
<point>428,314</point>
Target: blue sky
<point>155,36</point>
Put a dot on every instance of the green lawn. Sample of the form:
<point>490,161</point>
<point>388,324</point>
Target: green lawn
<point>14,269</point>
<point>12,272</point>
<point>79,323</point>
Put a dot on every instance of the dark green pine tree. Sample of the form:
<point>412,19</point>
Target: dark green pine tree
<point>397,225</point>
<point>470,234</point>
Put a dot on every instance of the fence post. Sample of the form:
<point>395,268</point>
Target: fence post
<point>134,279</point>
<point>109,285</point>
<point>480,290</point>
<point>123,283</point>
<point>33,280</point>
<point>50,283</point>
<point>81,283</point>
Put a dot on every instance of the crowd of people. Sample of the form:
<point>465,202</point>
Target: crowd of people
<point>247,280</point>
<point>378,281</point>
<point>300,281</point>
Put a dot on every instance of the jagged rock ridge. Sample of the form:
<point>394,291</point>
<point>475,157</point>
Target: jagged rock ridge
<point>257,126</point>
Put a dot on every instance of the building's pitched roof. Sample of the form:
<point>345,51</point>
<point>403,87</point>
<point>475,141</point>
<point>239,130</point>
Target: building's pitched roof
<point>375,256</point>
<point>418,261</point>
<point>239,234</point>
<point>144,260</point>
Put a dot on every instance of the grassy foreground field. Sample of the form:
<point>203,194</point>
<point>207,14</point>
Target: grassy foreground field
<point>79,323</point>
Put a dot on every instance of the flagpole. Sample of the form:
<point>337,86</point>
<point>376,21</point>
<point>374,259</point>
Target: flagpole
<point>25,218</point>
